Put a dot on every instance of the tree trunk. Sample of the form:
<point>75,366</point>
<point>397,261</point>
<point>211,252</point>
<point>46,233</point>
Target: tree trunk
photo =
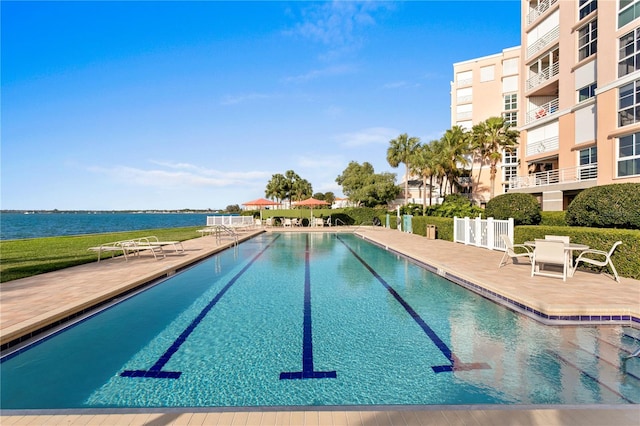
<point>406,184</point>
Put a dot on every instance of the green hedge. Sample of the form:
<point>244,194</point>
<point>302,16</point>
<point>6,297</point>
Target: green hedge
<point>444,226</point>
<point>626,258</point>
<point>553,218</point>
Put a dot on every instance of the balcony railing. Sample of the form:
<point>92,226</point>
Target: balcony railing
<point>543,42</point>
<point>542,111</point>
<point>541,8</point>
<point>465,82</point>
<point>550,177</point>
<point>543,76</point>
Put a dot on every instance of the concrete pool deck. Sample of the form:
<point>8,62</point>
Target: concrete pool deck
<point>32,303</point>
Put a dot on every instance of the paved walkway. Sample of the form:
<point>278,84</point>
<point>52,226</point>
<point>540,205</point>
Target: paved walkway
<point>32,303</point>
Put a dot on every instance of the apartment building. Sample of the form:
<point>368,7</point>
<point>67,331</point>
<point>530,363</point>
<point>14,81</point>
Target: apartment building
<point>482,88</point>
<point>577,102</point>
<point>581,94</point>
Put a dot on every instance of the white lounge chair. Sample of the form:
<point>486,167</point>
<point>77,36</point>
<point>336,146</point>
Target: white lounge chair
<point>549,252</point>
<point>287,222</point>
<point>511,253</point>
<point>600,263</point>
<point>153,241</point>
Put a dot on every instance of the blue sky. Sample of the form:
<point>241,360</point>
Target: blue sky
<point>171,105</point>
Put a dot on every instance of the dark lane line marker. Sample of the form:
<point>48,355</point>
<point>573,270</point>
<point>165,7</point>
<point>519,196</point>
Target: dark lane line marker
<point>456,364</point>
<point>156,370</point>
<point>308,371</point>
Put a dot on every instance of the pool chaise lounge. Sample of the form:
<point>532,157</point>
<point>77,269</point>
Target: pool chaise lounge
<point>153,241</point>
<point>136,246</point>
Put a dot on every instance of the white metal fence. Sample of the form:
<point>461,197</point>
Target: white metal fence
<point>230,220</point>
<point>482,232</point>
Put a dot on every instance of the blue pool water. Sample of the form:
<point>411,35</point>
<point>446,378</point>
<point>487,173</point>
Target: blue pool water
<point>317,319</point>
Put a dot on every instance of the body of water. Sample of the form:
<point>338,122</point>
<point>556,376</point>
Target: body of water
<point>15,226</point>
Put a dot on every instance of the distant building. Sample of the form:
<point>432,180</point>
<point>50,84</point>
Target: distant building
<point>339,203</point>
<point>482,88</point>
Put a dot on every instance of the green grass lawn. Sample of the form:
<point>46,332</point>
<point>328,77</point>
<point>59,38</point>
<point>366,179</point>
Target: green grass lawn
<point>24,258</point>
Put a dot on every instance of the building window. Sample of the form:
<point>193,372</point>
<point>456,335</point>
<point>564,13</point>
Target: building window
<point>510,102</point>
<point>511,118</point>
<point>587,92</point>
<point>487,73</point>
<point>629,155</point>
<point>628,10</point>
<point>587,40</point>
<point>588,163</point>
<point>629,53</point>
<point>629,104</point>
<point>509,166</point>
<point>586,7</point>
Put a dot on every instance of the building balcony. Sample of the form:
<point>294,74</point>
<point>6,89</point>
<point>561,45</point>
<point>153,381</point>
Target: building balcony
<point>540,8</point>
<point>541,180</point>
<point>542,111</point>
<point>465,82</point>
<point>543,76</point>
<point>543,42</point>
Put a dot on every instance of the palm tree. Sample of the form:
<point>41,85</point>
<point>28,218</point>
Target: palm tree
<point>494,135</point>
<point>276,187</point>
<point>401,150</point>
<point>425,164</point>
<point>454,150</point>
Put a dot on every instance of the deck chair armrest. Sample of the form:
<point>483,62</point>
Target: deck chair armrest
<point>592,251</point>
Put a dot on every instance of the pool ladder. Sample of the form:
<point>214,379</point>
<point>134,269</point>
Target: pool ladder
<point>220,229</point>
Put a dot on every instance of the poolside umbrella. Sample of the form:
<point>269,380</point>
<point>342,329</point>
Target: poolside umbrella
<point>260,203</point>
<point>310,202</point>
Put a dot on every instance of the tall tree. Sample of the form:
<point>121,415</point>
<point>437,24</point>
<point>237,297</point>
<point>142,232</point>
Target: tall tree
<point>276,187</point>
<point>424,166</point>
<point>494,135</point>
<point>401,150</point>
<point>454,152</point>
<point>364,187</point>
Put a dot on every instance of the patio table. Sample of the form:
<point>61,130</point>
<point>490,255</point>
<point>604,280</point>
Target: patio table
<point>570,247</point>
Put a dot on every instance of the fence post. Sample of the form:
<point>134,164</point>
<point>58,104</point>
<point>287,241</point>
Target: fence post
<point>478,234</point>
<point>490,233</point>
<point>510,230</point>
<point>455,229</point>
<point>466,230</point>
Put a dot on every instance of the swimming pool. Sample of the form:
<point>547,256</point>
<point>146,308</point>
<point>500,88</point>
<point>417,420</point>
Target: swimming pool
<point>317,319</point>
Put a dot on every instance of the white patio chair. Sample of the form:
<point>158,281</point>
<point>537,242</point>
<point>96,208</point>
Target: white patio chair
<point>600,263</point>
<point>562,238</point>
<point>287,222</point>
<point>549,252</point>
<point>511,253</point>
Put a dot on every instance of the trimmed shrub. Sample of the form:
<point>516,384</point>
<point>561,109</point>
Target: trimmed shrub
<point>553,219</point>
<point>444,226</point>
<point>453,205</point>
<point>606,206</point>
<point>523,208</point>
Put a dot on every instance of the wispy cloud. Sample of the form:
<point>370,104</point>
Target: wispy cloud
<point>177,175</point>
<point>320,162</point>
<point>320,73</point>
<point>401,85</point>
<point>337,24</point>
<point>248,97</point>
<point>370,136</point>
